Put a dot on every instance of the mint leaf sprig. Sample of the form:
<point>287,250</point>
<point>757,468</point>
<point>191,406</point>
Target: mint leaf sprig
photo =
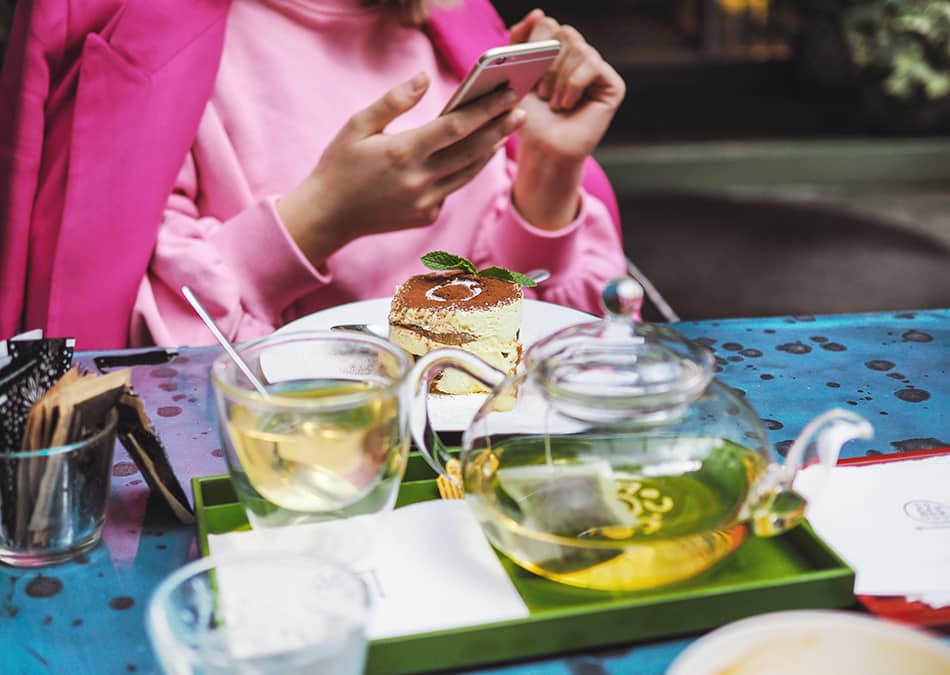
<point>507,275</point>
<point>441,260</point>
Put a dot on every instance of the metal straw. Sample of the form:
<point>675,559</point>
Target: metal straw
<point>232,352</point>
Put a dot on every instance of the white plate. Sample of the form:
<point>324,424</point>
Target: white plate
<point>447,413</point>
<point>814,642</point>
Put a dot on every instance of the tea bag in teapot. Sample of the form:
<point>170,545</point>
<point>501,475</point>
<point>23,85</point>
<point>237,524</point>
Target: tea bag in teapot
<point>567,499</point>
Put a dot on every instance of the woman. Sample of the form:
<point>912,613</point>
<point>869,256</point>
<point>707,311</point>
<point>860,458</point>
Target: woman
<point>113,92</point>
<point>263,236</point>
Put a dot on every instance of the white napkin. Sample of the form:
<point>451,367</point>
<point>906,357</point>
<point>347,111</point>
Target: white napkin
<point>889,521</point>
<point>428,565</point>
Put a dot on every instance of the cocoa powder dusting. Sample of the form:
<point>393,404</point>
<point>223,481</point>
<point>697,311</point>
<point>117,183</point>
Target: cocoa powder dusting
<point>412,294</point>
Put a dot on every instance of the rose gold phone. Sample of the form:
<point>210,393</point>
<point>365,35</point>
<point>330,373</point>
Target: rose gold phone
<point>516,66</point>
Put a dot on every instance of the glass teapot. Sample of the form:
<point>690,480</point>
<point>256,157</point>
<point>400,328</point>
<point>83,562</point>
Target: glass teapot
<point>624,464</point>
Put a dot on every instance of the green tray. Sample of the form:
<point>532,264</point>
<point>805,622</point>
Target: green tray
<point>794,571</point>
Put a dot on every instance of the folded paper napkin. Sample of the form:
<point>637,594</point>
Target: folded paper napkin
<point>428,566</point>
<point>890,522</point>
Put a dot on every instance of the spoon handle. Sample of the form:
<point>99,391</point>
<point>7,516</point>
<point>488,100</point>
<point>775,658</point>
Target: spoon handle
<point>232,352</point>
<point>539,275</point>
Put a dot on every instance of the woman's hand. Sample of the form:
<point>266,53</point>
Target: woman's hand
<point>368,182</point>
<point>568,114</point>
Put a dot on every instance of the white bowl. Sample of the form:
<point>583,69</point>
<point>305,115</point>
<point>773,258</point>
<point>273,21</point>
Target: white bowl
<point>807,642</point>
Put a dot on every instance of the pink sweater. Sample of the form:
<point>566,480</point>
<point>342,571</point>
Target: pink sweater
<point>267,122</point>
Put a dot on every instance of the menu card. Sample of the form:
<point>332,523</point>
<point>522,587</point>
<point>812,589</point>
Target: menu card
<point>428,566</point>
<point>889,521</point>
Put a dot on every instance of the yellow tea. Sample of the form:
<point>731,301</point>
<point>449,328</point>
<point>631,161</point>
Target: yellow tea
<point>612,517</point>
<point>319,458</point>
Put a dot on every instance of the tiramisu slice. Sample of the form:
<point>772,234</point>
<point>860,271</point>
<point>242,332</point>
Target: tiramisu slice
<point>479,314</point>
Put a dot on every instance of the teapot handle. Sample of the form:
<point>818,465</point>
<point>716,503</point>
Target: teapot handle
<point>775,506</point>
<point>426,369</point>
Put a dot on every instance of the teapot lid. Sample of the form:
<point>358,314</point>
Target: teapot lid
<point>620,368</point>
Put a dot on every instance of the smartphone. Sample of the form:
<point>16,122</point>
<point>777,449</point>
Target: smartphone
<point>517,66</point>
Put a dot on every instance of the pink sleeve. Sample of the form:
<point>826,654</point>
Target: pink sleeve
<point>581,257</point>
<point>246,271</point>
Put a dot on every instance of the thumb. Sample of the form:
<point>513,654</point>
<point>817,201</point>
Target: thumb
<point>377,116</point>
<point>521,31</point>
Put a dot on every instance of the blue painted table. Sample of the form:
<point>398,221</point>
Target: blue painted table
<point>86,616</point>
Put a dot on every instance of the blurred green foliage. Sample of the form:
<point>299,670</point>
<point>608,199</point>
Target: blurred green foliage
<point>903,44</point>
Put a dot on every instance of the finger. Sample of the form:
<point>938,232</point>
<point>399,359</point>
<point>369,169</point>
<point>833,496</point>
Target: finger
<point>459,124</point>
<point>521,31</point>
<point>545,28</point>
<point>430,209</point>
<point>375,118</point>
<point>580,71</point>
<point>567,36</point>
<point>545,86</point>
<point>593,79</point>
<point>459,155</point>
<point>463,176</point>
<point>577,83</point>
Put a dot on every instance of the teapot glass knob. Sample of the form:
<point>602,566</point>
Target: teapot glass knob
<point>622,298</point>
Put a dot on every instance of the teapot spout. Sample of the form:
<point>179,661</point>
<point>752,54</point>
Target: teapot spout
<point>775,506</point>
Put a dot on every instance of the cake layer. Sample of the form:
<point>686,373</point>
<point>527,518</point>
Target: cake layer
<point>457,327</point>
<point>503,355</point>
<point>481,315</point>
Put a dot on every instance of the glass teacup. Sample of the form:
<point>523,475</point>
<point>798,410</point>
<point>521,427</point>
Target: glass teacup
<point>262,614</point>
<point>329,440</point>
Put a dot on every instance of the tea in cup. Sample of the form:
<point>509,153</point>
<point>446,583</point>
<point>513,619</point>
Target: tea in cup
<point>329,440</point>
